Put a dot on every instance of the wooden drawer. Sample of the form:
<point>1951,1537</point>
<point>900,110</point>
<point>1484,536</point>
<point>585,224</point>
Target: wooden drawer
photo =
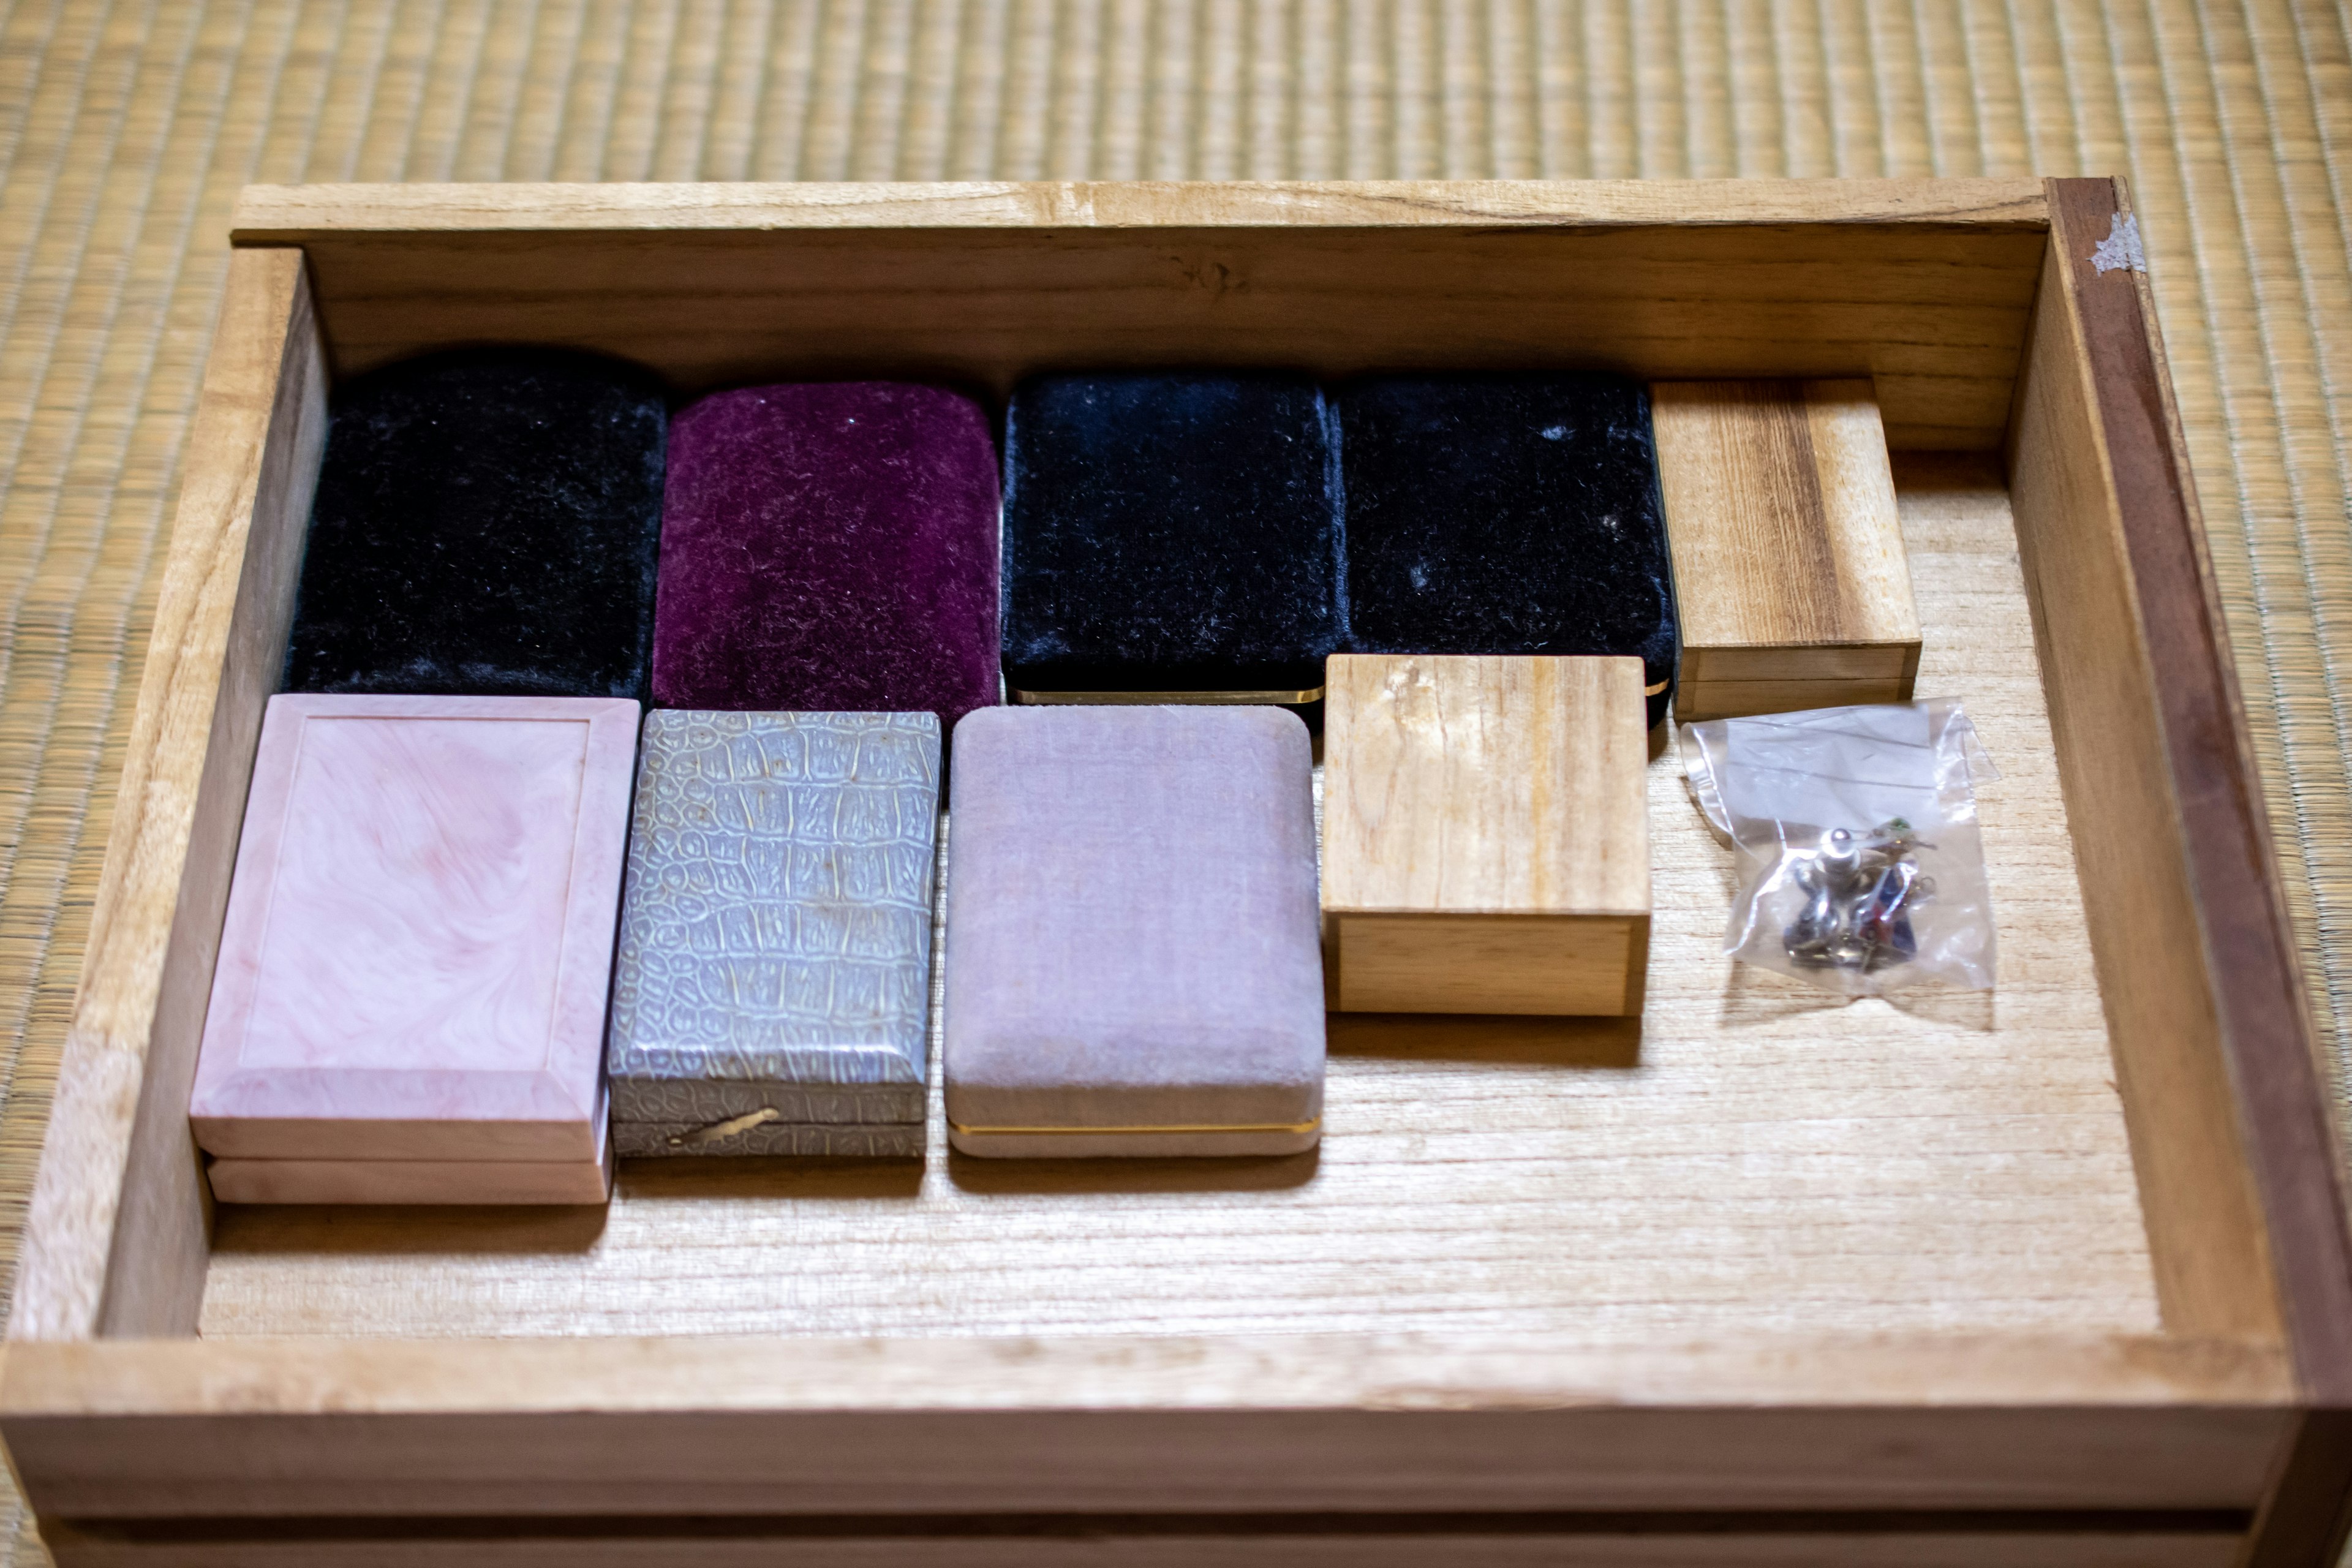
<point>2058,1275</point>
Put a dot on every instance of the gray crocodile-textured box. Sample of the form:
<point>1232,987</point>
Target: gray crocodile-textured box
<point>773,991</point>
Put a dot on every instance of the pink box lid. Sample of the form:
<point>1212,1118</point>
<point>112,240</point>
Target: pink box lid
<point>419,940</point>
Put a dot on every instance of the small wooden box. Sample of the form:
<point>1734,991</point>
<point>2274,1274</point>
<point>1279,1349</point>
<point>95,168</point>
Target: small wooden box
<point>1790,577</point>
<point>2055,1276</point>
<point>1486,837</point>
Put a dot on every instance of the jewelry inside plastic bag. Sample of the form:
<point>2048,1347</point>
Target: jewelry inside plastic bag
<point>1861,864</point>
<point>1860,894</point>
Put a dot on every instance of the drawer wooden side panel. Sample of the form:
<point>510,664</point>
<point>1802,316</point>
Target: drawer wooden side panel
<point>1310,1541</point>
<point>227,1429</point>
<point>1923,285</point>
<point>116,1241</point>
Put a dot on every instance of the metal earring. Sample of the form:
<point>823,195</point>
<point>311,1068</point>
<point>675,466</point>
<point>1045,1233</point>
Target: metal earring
<point>1860,891</point>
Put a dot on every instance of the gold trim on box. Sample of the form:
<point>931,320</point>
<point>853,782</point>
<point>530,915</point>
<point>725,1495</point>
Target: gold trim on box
<point>1657,690</point>
<point>1158,698</point>
<point>1307,1126</point>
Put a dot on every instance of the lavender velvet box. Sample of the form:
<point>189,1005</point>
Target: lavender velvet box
<point>773,993</point>
<point>1132,963</point>
<point>829,547</point>
<point>413,966</point>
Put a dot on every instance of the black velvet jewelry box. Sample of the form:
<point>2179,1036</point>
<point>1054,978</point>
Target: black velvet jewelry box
<point>486,524</point>
<point>1171,534</point>
<point>1507,514</point>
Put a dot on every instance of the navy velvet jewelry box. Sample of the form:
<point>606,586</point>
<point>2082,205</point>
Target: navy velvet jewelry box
<point>1169,535</point>
<point>486,525</point>
<point>1508,515</point>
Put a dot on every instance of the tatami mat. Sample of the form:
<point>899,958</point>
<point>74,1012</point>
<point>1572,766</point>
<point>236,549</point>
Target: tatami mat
<point>126,127</point>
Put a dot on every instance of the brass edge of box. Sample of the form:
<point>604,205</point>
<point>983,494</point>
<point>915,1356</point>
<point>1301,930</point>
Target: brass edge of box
<point>1161,699</point>
<point>1307,1126</point>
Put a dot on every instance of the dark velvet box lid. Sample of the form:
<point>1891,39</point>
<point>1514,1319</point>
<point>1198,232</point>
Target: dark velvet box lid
<point>830,546</point>
<point>486,524</point>
<point>1169,533</point>
<point>1507,514</point>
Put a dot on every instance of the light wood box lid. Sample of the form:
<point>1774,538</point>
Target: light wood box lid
<point>1787,553</point>
<point>1485,785</point>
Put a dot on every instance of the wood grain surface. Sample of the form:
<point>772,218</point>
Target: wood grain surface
<point>1484,785</point>
<point>1082,1543</point>
<point>974,284</point>
<point>231,1430</point>
<point>1749,1158</point>
<point>1485,834</point>
<point>1790,578</point>
<point>118,1181</point>
<point>2194,1182</point>
<point>2223,826</point>
<point>296,215</point>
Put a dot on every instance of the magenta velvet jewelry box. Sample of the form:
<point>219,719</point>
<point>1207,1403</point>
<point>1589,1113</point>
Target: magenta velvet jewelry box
<point>829,547</point>
<point>1132,958</point>
<point>409,1002</point>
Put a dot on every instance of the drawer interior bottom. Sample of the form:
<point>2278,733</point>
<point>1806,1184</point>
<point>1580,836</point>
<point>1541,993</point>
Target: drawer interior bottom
<point>1751,1155</point>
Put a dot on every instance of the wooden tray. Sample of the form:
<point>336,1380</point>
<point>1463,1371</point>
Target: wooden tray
<point>2058,1275</point>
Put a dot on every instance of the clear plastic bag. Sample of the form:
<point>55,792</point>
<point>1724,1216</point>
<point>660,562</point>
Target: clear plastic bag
<point>1861,868</point>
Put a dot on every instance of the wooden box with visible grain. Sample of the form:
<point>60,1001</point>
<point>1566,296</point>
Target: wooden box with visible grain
<point>1485,835</point>
<point>1789,571</point>
<point>2059,1276</point>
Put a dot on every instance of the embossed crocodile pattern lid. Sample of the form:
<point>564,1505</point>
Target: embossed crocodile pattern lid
<point>775,946</point>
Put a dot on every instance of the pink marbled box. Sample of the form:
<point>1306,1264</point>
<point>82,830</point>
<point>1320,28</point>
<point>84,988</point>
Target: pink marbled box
<point>419,941</point>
